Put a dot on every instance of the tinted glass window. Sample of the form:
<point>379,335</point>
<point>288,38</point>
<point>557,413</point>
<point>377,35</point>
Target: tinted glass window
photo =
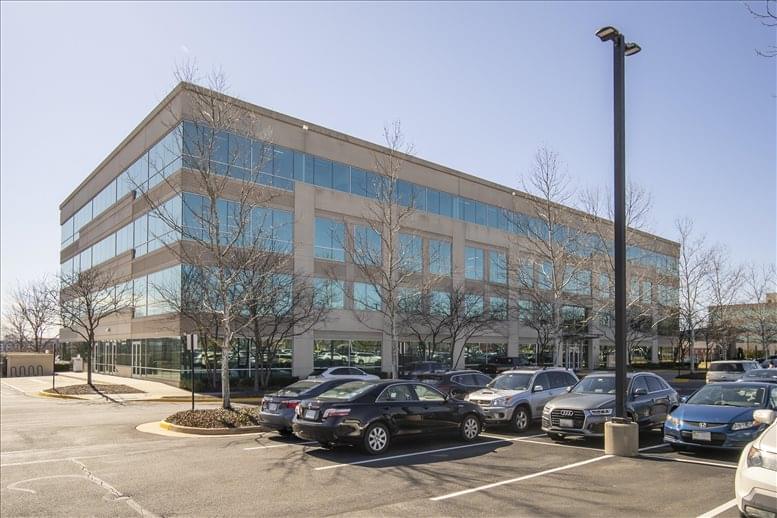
<point>559,379</point>
<point>654,385</point>
<point>639,383</point>
<point>347,391</point>
<point>482,380</point>
<point>596,385</point>
<point>428,393</point>
<point>397,393</point>
<point>542,380</point>
<point>356,372</point>
<point>340,372</point>
<point>511,382</point>
<point>774,397</point>
<point>299,387</point>
<point>729,395</point>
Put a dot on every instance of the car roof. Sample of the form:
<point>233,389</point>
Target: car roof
<point>764,384</point>
<point>533,369</point>
<point>734,361</point>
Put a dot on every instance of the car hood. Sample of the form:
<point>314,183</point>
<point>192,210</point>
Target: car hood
<point>768,440</point>
<point>713,413</point>
<point>575,401</point>
<point>489,394</point>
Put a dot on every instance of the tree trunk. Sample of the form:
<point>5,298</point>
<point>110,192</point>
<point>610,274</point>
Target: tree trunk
<point>691,351</point>
<point>89,364</point>
<point>225,374</point>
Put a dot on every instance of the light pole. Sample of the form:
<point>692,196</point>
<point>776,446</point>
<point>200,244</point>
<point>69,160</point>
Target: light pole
<point>621,49</point>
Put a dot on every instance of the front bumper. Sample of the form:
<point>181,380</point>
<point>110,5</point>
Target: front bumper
<point>720,437</point>
<point>592,426</point>
<point>496,414</point>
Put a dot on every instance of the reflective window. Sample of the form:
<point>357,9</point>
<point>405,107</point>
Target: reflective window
<point>473,263</point>
<point>439,257</point>
<point>330,239</point>
<point>647,292</point>
<point>526,274</point>
<point>498,307</point>
<point>341,177</point>
<point>104,249</point>
<point>473,304</point>
<point>604,286</point>
<point>366,245</point>
<point>440,303</point>
<point>330,293</point>
<point>546,275</point>
<point>164,290</point>
<point>409,300</point>
<point>366,297</point>
<point>410,252</point>
<point>497,267</point>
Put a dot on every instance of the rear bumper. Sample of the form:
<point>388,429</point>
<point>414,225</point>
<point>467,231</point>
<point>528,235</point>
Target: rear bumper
<point>338,432</point>
<point>276,421</point>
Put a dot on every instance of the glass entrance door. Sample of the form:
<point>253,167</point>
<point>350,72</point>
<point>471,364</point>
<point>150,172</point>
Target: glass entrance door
<point>137,358</point>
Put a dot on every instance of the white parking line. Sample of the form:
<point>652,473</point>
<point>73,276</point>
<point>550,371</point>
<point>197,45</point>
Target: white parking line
<point>14,387</point>
<point>519,479</point>
<point>657,446</point>
<point>719,509</point>
<point>693,461</point>
<point>392,457</point>
<point>506,438</point>
<point>558,445</point>
<point>46,461</point>
<point>279,445</point>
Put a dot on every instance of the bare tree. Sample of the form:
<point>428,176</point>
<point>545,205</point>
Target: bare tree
<point>85,299</point>
<point>556,247</point>
<point>768,18</point>
<point>34,302</point>
<point>694,267</point>
<point>724,285</point>
<point>15,327</point>
<point>760,315</point>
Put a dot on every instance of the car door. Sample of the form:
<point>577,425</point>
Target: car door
<point>399,405</point>
<point>659,398</point>
<point>541,393</point>
<point>640,400</point>
<point>439,413</point>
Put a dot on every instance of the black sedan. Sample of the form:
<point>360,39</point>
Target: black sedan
<point>456,384</point>
<point>760,375</point>
<point>277,410</point>
<point>371,413</point>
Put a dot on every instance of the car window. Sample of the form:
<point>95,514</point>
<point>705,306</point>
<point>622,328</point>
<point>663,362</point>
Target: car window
<point>511,381</point>
<point>542,379</point>
<point>470,380</point>
<point>653,384</point>
<point>397,393</point>
<point>427,393</point>
<point>639,382</point>
<point>596,385</point>
<point>300,387</point>
<point>460,379</point>
<point>774,397</point>
<point>729,394</point>
<point>347,391</point>
<point>571,380</point>
<point>750,366</point>
<point>482,380</point>
<point>738,367</point>
<point>339,372</point>
<point>357,372</point>
<point>556,379</point>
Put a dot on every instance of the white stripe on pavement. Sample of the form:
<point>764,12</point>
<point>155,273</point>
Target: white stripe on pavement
<point>693,461</point>
<point>45,461</point>
<point>646,448</point>
<point>719,509</point>
<point>559,445</point>
<point>279,445</point>
<point>392,457</point>
<point>519,479</point>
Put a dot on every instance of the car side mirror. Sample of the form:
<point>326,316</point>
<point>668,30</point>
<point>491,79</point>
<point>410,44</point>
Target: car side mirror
<point>569,388</point>
<point>684,399</point>
<point>538,388</point>
<point>640,391</point>
<point>764,416</point>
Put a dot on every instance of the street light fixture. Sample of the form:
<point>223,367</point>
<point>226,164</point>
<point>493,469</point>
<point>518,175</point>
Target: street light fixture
<point>620,50</point>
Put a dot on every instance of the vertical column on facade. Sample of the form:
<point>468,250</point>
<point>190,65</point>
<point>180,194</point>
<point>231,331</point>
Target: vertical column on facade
<point>593,354</point>
<point>304,224</point>
<point>457,257</point>
<point>513,326</point>
<point>387,360</point>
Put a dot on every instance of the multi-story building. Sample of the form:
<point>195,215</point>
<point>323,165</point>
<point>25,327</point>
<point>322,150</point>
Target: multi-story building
<point>741,330</point>
<point>461,231</point>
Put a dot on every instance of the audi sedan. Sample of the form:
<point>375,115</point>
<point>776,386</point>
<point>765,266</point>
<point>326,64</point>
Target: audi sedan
<point>720,415</point>
<point>370,414</point>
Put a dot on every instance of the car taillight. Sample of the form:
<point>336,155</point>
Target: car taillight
<point>336,412</point>
<point>291,404</point>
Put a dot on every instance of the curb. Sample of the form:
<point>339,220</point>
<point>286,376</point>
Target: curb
<point>198,399</point>
<point>210,431</point>
<point>58,396</point>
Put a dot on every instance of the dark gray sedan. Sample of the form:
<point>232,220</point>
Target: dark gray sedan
<point>591,403</point>
<point>277,410</point>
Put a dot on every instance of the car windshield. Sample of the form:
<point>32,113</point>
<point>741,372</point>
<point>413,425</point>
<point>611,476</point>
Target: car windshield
<point>300,387</point>
<point>513,381</point>
<point>347,391</point>
<point>596,385</point>
<point>729,395</point>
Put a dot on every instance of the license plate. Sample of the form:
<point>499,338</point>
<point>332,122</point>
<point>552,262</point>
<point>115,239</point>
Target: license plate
<point>701,436</point>
<point>566,423</point>
<point>272,407</point>
<point>311,414</point>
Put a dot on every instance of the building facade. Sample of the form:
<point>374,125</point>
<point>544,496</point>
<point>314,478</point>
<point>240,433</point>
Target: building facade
<point>462,232</point>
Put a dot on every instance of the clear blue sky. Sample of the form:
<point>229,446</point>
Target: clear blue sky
<point>477,86</point>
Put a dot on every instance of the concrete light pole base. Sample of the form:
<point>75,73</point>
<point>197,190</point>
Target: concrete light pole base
<point>621,438</point>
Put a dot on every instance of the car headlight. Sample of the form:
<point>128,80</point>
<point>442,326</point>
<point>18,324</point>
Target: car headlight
<point>761,459</point>
<point>742,425</point>
<point>601,411</point>
<point>547,409</point>
<point>674,421</point>
<point>500,401</point>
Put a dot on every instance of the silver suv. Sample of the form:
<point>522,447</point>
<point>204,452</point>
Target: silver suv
<point>517,396</point>
<point>730,370</point>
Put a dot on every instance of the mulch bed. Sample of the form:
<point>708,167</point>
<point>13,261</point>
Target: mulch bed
<point>80,390</point>
<point>216,418</point>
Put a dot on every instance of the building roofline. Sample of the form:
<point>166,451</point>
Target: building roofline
<point>281,117</point>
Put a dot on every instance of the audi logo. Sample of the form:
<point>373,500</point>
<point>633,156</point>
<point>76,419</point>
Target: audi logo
<point>702,425</point>
<point>566,412</point>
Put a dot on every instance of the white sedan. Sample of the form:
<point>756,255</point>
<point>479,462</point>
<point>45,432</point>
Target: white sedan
<point>347,372</point>
<point>755,484</point>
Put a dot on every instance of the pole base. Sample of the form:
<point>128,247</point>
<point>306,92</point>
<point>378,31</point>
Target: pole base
<point>621,439</point>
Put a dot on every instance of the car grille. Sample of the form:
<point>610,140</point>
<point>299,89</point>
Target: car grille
<point>481,402</point>
<point>559,413</point>
<point>717,439</point>
<point>707,424</point>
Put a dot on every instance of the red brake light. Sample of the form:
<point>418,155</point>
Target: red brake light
<point>336,412</point>
<point>291,404</point>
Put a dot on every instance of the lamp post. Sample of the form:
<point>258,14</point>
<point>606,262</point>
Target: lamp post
<point>621,49</point>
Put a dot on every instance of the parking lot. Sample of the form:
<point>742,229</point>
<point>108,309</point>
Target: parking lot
<point>80,458</point>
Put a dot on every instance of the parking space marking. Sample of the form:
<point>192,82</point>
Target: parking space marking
<point>392,457</point>
<point>46,461</point>
<point>280,445</point>
<point>692,461</point>
<point>13,387</point>
<point>558,445</point>
<point>719,509</point>
<point>655,447</point>
<point>519,479</point>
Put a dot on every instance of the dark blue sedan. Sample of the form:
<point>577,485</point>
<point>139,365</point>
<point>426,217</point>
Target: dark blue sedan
<point>719,415</point>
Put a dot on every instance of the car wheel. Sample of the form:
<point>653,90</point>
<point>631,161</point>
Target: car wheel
<point>470,428</point>
<point>285,432</point>
<point>376,439</point>
<point>521,419</point>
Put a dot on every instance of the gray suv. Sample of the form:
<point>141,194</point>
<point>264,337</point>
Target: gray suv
<point>516,397</point>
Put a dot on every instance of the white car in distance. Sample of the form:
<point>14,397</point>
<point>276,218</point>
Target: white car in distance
<point>346,372</point>
<point>755,484</point>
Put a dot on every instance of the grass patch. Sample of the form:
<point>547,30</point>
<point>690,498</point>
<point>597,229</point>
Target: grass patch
<point>216,418</point>
<point>81,390</point>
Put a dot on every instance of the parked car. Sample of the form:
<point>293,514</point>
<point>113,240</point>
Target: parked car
<point>761,375</point>
<point>516,397</point>
<point>499,364</point>
<point>769,363</point>
<point>350,373</point>
<point>590,403</point>
<point>754,483</point>
<point>417,368</point>
<point>371,414</point>
<point>729,370</point>
<point>719,415</point>
<point>456,384</point>
<point>277,410</point>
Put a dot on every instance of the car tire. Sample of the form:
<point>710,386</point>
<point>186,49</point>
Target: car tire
<point>470,428</point>
<point>376,439</point>
<point>521,419</point>
<point>286,432</point>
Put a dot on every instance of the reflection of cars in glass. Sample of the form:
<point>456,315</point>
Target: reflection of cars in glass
<point>277,410</point>
<point>729,370</point>
<point>362,358</point>
<point>719,415</point>
<point>417,368</point>
<point>760,375</point>
<point>590,403</point>
<point>347,372</point>
<point>372,413</point>
<point>516,397</point>
<point>754,483</point>
<point>456,384</point>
